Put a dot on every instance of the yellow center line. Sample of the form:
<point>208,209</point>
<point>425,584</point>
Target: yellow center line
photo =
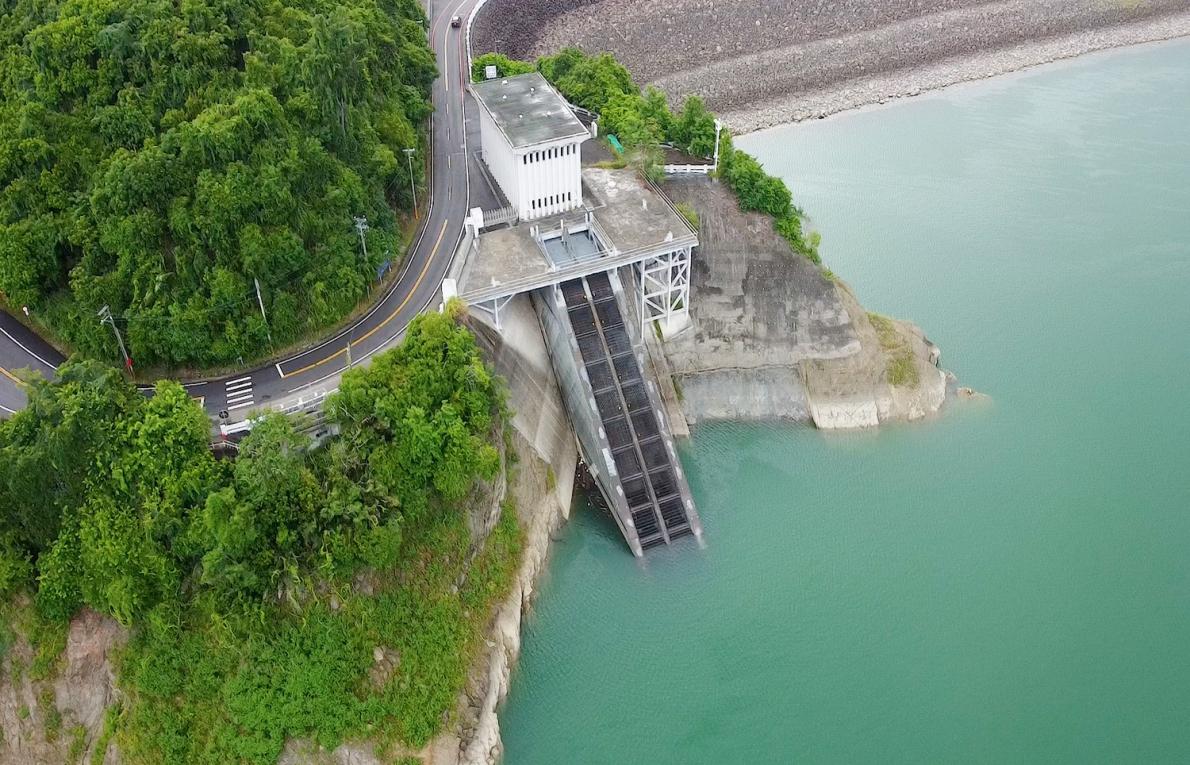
<point>391,316</point>
<point>12,377</point>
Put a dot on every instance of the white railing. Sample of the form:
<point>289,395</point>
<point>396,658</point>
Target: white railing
<point>687,169</point>
<point>499,216</point>
<point>310,405</point>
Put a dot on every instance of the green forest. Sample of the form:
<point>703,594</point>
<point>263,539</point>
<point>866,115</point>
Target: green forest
<point>643,120</point>
<point>258,590</point>
<point>162,157</point>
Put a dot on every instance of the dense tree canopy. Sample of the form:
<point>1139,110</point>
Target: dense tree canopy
<point>117,499</point>
<point>227,569</point>
<point>157,157</point>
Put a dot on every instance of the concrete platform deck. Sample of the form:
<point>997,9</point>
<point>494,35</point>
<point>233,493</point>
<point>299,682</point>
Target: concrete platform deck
<point>630,220</point>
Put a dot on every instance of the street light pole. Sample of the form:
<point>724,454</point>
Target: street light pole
<point>718,130</point>
<point>263,315</point>
<point>412,185</point>
<point>105,317</point>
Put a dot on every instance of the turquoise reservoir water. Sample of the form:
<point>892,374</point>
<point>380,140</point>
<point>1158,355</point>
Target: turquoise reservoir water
<point>1009,583</point>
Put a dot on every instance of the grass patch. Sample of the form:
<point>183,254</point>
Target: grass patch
<point>111,717</point>
<point>900,367</point>
<point>47,704</point>
<point>613,164</point>
<point>689,213</point>
<point>78,745</point>
<point>48,638</point>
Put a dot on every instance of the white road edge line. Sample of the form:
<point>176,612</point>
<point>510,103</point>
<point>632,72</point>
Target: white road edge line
<point>26,350</point>
<point>429,212</point>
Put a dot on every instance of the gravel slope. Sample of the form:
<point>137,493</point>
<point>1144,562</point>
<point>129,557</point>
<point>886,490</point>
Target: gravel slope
<point>762,62</point>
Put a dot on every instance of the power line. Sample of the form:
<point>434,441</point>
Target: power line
<point>249,296</point>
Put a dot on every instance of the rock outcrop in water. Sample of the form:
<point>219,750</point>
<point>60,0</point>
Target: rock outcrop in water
<point>764,62</point>
<point>774,337</point>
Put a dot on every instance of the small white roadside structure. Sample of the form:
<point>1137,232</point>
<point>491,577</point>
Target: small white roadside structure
<point>531,143</point>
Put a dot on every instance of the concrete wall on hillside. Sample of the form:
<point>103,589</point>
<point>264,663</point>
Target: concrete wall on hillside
<point>519,355</point>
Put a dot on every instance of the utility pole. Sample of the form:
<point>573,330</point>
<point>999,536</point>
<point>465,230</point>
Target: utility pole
<point>260,301</point>
<point>718,130</point>
<point>361,225</point>
<point>349,353</point>
<point>412,185</point>
<point>105,317</point>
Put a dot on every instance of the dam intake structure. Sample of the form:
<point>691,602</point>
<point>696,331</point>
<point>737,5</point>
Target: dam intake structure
<point>605,257</point>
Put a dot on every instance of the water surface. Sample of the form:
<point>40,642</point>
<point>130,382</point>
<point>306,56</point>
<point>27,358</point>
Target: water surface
<point>1010,583</point>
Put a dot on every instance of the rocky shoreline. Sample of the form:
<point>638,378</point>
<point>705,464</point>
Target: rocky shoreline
<point>879,89</point>
<point>767,62</point>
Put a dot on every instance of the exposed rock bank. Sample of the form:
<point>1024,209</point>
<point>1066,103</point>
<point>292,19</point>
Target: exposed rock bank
<point>541,485</point>
<point>60,718</point>
<point>763,62</point>
<point>773,337</point>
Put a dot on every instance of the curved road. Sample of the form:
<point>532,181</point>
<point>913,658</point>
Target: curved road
<point>317,369</point>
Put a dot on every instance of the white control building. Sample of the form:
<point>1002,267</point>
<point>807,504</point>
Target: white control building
<point>531,142</point>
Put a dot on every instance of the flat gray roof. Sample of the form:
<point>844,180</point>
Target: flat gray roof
<point>527,109</point>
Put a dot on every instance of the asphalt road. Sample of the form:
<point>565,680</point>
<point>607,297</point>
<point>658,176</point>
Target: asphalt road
<point>454,128</point>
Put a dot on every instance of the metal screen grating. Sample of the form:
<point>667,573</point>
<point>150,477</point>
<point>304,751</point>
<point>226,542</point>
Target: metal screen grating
<point>636,491</point>
<point>609,405</point>
<point>636,397</point>
<point>626,369</point>
<point>663,483</point>
<point>627,465</point>
<point>589,347</point>
<point>573,293</point>
<point>645,424</point>
<point>618,434</point>
<point>617,341</point>
<point>673,513</point>
<point>600,285</point>
<point>600,375</point>
<point>654,453</point>
<point>609,314</point>
<point>582,318</point>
